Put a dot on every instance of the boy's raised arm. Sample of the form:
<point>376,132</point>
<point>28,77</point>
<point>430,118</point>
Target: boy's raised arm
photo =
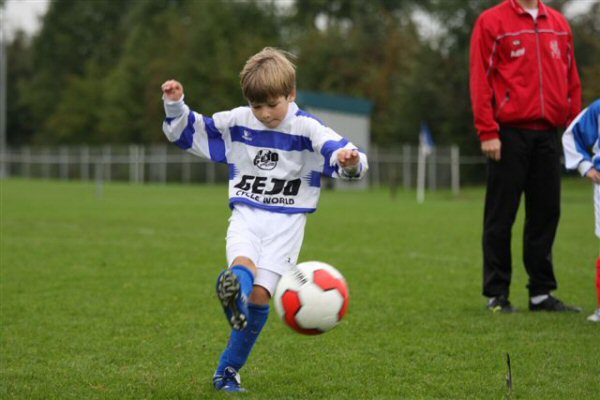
<point>173,102</point>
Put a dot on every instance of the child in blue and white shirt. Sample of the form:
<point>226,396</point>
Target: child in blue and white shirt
<point>582,152</point>
<point>276,155</point>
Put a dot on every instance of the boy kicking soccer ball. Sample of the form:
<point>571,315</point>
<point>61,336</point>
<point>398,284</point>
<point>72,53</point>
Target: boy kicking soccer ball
<point>582,152</point>
<point>276,155</point>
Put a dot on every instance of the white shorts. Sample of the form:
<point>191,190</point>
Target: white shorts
<point>597,208</point>
<point>271,240</point>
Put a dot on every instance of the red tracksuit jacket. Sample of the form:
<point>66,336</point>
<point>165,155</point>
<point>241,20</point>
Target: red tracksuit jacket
<point>523,72</point>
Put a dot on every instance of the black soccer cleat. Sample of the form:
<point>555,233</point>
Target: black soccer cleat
<point>233,300</point>
<point>553,304</point>
<point>500,304</point>
<point>229,381</point>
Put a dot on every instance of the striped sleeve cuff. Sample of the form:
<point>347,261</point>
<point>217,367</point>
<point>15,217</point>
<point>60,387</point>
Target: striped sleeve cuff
<point>174,109</point>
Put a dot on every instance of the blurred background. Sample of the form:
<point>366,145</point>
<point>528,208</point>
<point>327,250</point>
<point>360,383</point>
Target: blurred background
<point>81,79</point>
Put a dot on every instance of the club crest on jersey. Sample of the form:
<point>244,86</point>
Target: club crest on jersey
<point>266,159</point>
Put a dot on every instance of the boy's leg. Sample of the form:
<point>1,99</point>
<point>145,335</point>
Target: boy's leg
<point>241,343</point>
<point>598,280</point>
<point>234,286</point>
<point>597,231</point>
<point>595,317</point>
<point>273,241</point>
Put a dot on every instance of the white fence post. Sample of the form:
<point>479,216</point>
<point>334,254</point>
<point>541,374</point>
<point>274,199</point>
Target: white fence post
<point>141,163</point>
<point>26,153</point>
<point>421,167</point>
<point>432,173</point>
<point>406,166</point>
<point>163,163</point>
<point>84,163</point>
<point>210,172</point>
<point>376,166</point>
<point>455,169</point>
<point>133,163</point>
<point>63,162</point>
<point>46,159</point>
<point>186,168</point>
<point>99,170</point>
<point>106,163</point>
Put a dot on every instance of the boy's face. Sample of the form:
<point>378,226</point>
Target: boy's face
<point>273,111</point>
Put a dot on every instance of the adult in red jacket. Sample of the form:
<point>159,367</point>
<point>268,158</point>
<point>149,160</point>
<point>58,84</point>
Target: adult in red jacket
<point>524,85</point>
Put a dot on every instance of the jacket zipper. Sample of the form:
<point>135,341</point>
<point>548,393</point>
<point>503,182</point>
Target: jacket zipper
<point>539,58</point>
<point>503,103</point>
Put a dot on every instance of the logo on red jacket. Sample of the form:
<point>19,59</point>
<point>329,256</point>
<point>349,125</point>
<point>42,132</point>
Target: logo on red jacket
<point>517,53</point>
<point>554,49</point>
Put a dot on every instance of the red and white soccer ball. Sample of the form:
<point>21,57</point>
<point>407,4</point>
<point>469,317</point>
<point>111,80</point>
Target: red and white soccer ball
<point>312,298</point>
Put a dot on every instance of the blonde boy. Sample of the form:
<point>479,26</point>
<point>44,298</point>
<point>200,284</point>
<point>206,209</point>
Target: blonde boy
<point>276,155</point>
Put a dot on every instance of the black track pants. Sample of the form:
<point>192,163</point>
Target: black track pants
<point>529,164</point>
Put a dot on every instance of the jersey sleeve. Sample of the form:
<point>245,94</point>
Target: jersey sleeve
<point>194,132</point>
<point>580,140</point>
<point>328,143</point>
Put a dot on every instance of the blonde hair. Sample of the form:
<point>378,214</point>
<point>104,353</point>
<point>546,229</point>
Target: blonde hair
<point>269,73</point>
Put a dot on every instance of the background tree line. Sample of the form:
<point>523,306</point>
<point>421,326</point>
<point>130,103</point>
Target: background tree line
<point>93,72</point>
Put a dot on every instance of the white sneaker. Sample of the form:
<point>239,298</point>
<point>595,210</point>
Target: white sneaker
<point>595,317</point>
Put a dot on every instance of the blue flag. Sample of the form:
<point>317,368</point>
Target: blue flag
<point>425,139</point>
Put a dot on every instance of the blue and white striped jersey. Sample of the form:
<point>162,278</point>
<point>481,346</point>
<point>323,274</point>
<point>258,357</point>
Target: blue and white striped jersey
<point>278,170</point>
<point>580,140</point>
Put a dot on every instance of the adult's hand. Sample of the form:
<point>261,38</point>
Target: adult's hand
<point>492,149</point>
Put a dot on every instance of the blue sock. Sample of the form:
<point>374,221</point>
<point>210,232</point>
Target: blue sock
<point>241,342</point>
<point>246,278</point>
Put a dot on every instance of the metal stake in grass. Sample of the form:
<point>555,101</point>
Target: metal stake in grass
<point>508,377</point>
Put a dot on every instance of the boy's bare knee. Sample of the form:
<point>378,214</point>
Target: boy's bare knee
<point>260,295</point>
<point>246,262</point>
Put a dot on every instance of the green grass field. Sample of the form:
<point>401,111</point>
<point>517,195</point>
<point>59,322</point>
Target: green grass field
<point>111,297</point>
